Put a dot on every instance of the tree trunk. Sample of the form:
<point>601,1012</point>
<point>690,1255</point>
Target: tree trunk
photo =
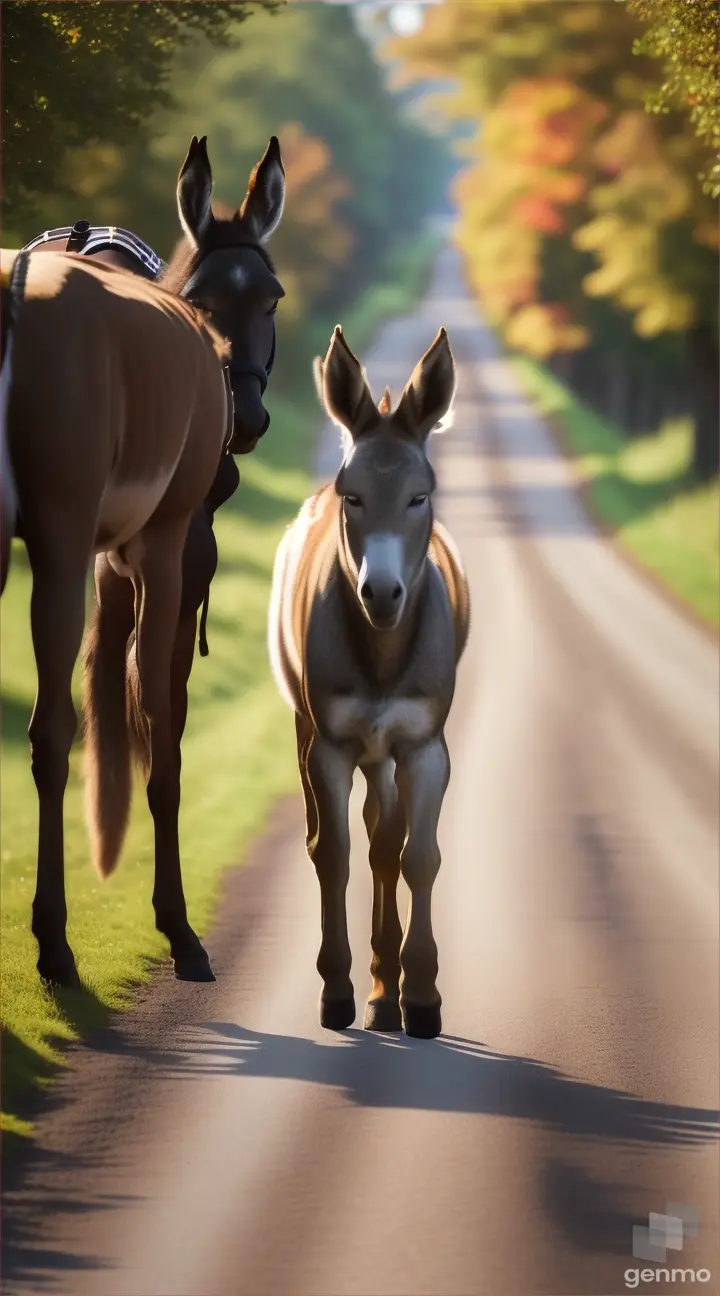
<point>705,371</point>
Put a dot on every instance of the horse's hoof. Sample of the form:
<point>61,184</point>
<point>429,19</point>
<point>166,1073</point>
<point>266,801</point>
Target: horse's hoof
<point>59,970</point>
<point>193,967</point>
<point>422,1021</point>
<point>383,1015</point>
<point>337,1014</point>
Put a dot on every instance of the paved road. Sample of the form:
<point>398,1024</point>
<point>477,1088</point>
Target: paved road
<point>219,1143</point>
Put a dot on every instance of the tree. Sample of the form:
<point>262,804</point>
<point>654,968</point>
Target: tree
<point>74,73</point>
<point>361,176</point>
<point>573,198</point>
<point>685,38</point>
<point>305,68</point>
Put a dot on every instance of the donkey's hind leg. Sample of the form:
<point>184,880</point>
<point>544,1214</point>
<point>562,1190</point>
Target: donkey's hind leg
<point>385,824</point>
<point>57,613</point>
<point>422,779</point>
<point>158,563</point>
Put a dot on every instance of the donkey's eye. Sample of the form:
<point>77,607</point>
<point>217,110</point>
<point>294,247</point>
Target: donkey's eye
<point>417,501</point>
<point>353,501</point>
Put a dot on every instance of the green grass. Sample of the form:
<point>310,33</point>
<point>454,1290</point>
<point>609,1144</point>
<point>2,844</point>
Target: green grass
<point>643,489</point>
<point>238,753</point>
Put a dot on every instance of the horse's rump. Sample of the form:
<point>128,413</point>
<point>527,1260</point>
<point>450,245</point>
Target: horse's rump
<point>109,373</point>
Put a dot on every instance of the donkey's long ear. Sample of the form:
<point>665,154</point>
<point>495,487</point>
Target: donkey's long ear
<point>264,201</point>
<point>193,191</point>
<point>318,376</point>
<point>429,394</point>
<point>345,392</point>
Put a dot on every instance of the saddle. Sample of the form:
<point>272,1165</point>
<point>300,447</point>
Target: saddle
<point>85,239</point>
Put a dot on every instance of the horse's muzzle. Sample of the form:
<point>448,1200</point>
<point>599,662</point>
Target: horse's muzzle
<point>251,420</point>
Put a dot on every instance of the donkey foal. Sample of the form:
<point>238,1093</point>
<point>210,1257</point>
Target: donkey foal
<point>368,619</point>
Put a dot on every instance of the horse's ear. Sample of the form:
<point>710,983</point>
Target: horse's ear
<point>264,201</point>
<point>345,393</point>
<point>194,190</point>
<point>429,394</point>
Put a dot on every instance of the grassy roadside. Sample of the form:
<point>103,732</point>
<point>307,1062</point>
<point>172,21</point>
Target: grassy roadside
<point>642,490</point>
<point>238,751</point>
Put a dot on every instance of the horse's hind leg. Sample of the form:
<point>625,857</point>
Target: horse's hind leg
<point>57,612</point>
<point>385,822</point>
<point>156,556</point>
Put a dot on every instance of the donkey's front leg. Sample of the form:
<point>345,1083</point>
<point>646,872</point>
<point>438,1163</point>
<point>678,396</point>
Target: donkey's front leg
<point>385,823</point>
<point>422,778</point>
<point>329,775</point>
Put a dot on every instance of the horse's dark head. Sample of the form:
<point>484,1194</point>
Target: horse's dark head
<point>223,268</point>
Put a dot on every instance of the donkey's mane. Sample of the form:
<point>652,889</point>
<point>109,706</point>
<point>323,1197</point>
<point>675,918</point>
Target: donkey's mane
<point>226,231</point>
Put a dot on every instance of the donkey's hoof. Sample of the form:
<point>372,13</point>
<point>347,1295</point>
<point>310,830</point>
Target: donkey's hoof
<point>337,1014</point>
<point>193,967</point>
<point>58,969</point>
<point>422,1021</point>
<point>383,1015</point>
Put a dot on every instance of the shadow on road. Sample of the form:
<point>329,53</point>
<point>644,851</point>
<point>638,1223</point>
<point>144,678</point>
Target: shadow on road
<point>451,1075</point>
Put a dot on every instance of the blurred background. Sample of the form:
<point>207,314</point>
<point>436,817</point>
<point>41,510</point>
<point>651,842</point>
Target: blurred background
<point>572,147</point>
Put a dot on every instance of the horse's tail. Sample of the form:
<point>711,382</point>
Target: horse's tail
<point>108,771</point>
<point>137,728</point>
<point>13,290</point>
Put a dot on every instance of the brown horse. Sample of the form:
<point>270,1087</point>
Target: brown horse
<point>369,615</point>
<point>117,416</point>
<point>223,267</point>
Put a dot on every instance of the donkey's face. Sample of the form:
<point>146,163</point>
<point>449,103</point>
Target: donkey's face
<point>232,277</point>
<point>386,482</point>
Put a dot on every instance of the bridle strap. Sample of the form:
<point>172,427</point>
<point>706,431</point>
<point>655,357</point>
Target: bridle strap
<point>230,428</point>
<point>237,370</point>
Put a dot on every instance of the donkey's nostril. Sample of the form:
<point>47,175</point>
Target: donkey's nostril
<point>367,592</point>
<point>397,593</point>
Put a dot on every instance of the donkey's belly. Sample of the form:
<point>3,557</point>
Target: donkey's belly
<point>380,725</point>
<point>125,507</point>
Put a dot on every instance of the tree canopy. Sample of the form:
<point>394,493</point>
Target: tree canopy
<point>685,37</point>
<point>585,229</point>
<point>361,175</point>
<point>93,71</point>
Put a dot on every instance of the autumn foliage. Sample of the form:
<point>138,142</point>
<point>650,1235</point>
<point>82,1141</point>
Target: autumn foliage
<point>588,233</point>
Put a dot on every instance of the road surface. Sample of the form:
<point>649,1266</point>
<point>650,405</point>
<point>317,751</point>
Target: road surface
<point>217,1142</point>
